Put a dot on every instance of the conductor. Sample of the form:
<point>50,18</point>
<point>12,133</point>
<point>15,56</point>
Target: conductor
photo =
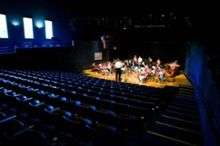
<point>118,66</point>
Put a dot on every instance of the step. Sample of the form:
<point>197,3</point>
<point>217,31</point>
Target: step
<point>179,109</point>
<point>193,117</point>
<point>175,134</point>
<point>179,123</point>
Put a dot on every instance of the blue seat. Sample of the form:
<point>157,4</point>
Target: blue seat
<point>77,103</point>
<point>111,113</point>
<point>97,98</point>
<point>52,95</point>
<point>23,98</point>
<point>93,108</point>
<point>51,109</point>
<point>63,99</point>
<point>41,92</point>
<point>35,103</point>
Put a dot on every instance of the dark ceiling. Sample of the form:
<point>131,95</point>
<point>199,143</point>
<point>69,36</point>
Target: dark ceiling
<point>200,15</point>
<point>110,7</point>
<point>104,7</point>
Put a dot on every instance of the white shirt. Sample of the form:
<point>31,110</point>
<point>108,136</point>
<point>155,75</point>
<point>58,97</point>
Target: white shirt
<point>140,59</point>
<point>109,66</point>
<point>118,64</point>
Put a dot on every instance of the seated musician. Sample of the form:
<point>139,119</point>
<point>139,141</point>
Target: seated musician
<point>142,75</point>
<point>158,63</point>
<point>171,68</point>
<point>150,61</point>
<point>139,61</point>
<point>135,60</point>
<point>161,75</point>
<point>109,67</point>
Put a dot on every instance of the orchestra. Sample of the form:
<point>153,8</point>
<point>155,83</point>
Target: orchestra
<point>144,70</point>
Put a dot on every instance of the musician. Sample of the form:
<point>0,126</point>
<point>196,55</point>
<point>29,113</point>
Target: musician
<point>142,75</point>
<point>174,65</point>
<point>135,60</point>
<point>150,62</point>
<point>162,75</point>
<point>171,68</point>
<point>118,70</point>
<point>158,63</point>
<point>153,70</point>
<point>147,70</point>
<point>109,67</point>
<point>139,61</point>
<point>129,63</point>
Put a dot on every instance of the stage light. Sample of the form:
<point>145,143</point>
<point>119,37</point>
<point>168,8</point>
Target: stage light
<point>39,24</point>
<point>15,22</point>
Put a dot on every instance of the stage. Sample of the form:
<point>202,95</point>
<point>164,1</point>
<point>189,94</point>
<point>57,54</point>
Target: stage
<point>179,80</point>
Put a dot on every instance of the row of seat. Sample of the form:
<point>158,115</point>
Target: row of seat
<point>69,108</point>
<point>92,98</point>
<point>92,81</point>
<point>66,120</point>
<point>66,103</point>
<point>108,95</point>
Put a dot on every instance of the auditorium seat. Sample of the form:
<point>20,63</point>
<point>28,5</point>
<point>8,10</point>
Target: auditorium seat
<point>58,106</point>
<point>179,123</point>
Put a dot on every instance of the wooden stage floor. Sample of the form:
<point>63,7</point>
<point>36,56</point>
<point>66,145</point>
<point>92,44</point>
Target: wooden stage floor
<point>178,81</point>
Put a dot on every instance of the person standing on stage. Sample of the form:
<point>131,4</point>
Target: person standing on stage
<point>118,70</point>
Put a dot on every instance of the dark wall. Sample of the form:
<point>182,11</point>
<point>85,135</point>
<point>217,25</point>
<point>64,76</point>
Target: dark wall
<point>206,93</point>
<point>41,58</point>
<point>163,45</point>
<point>67,58</point>
<point>39,11</point>
<point>83,54</point>
<point>166,51</point>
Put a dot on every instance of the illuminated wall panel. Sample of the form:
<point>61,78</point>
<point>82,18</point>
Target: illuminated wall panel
<point>3,26</point>
<point>28,28</point>
<point>48,29</point>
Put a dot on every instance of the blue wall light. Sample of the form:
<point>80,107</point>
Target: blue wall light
<point>39,23</point>
<point>15,22</point>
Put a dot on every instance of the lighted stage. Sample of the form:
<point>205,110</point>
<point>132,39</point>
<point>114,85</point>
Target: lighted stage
<point>130,77</point>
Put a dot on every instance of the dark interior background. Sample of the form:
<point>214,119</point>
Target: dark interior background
<point>187,32</point>
<point>156,30</point>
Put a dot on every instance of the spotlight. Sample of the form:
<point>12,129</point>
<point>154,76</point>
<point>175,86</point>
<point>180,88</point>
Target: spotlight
<point>15,22</point>
<point>39,24</point>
